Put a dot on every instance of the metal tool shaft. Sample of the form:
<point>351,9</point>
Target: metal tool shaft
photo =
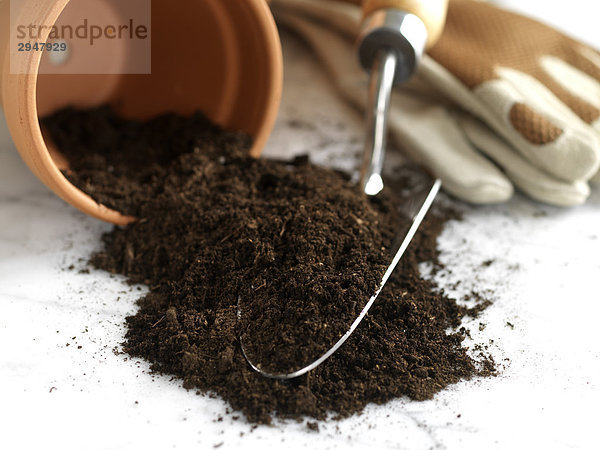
<point>380,92</point>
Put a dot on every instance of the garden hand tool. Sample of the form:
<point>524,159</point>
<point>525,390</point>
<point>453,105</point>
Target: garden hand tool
<point>523,94</point>
<point>393,38</point>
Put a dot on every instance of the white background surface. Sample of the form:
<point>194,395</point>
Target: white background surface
<point>545,280</point>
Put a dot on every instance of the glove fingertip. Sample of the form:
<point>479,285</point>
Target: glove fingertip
<point>553,192</point>
<point>486,192</point>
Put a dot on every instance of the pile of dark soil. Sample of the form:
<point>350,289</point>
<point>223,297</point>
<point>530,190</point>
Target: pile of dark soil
<point>298,245</point>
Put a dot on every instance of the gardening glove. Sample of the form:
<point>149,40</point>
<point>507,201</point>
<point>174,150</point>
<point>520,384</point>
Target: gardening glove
<point>546,139</point>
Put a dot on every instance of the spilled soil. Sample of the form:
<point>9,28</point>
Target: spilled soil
<point>283,254</point>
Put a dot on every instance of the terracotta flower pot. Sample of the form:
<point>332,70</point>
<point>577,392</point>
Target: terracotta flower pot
<point>219,56</point>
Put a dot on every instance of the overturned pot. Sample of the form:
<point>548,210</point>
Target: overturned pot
<point>222,57</point>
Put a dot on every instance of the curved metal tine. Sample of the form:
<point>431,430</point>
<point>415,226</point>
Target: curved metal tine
<point>397,256</point>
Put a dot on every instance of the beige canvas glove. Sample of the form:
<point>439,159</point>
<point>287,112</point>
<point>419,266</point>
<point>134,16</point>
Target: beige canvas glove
<point>546,149</point>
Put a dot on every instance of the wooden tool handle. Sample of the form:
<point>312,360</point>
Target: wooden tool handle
<point>431,12</point>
